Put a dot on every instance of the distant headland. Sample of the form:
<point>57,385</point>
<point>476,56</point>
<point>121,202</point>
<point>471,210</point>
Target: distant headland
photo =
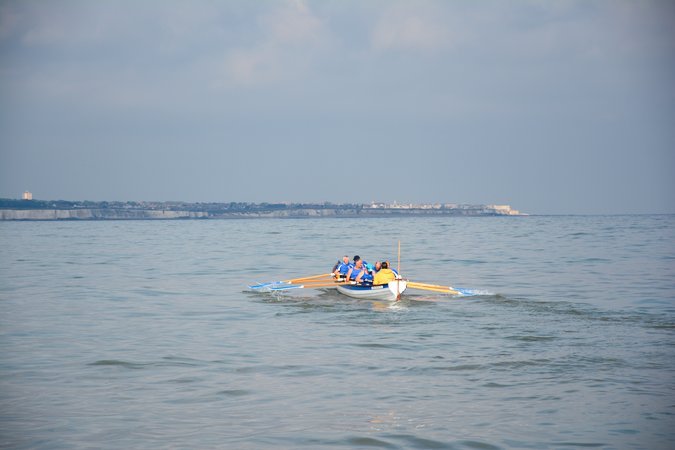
<point>30,209</point>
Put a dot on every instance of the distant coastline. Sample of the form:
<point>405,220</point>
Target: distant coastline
<point>13,209</point>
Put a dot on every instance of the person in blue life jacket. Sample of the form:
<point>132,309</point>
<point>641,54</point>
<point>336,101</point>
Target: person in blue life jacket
<point>361,272</point>
<point>356,269</point>
<point>366,277</point>
<point>371,272</point>
<point>342,267</point>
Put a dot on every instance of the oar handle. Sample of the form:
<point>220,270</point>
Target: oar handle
<point>312,277</point>
<point>306,286</point>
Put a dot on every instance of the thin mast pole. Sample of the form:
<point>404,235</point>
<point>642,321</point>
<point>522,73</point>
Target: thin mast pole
<point>398,269</point>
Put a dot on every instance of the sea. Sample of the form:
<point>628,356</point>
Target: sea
<point>145,335</point>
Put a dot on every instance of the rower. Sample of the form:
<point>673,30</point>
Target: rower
<point>342,267</point>
<point>384,275</point>
<point>392,269</point>
<point>366,276</point>
<point>356,270</point>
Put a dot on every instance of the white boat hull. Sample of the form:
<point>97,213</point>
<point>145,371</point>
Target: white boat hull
<point>389,291</point>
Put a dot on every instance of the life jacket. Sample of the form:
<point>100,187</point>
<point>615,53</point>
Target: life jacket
<point>355,271</point>
<point>343,268</point>
<point>384,276</point>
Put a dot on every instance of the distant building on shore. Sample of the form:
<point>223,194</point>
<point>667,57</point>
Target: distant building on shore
<point>27,195</point>
<point>505,209</point>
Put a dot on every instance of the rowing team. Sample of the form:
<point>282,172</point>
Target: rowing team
<point>361,272</point>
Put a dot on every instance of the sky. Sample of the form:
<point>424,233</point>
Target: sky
<point>553,107</point>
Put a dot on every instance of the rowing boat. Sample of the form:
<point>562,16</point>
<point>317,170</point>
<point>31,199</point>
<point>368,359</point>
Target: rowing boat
<point>390,291</point>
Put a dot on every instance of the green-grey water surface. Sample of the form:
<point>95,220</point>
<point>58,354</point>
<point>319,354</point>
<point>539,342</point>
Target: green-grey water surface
<point>144,335</point>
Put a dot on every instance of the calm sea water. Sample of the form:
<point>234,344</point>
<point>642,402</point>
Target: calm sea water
<point>144,335</point>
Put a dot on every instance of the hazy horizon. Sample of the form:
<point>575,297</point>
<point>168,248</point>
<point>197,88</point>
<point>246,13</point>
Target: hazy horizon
<point>562,107</point>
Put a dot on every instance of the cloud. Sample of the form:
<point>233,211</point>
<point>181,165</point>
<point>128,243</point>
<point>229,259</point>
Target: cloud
<point>411,26</point>
<point>9,21</point>
<point>293,23</point>
<point>118,56</point>
<point>289,38</point>
<point>259,65</point>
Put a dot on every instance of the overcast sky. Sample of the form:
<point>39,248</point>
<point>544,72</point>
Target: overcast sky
<point>550,106</point>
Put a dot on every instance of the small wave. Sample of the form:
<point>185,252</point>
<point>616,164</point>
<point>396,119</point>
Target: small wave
<point>521,363</point>
<point>478,445</point>
<point>234,392</point>
<point>363,441</point>
<point>459,368</point>
<point>374,345</point>
<point>587,261</point>
<point>377,345</point>
<point>465,292</point>
<point>470,262</point>
<point>418,442</point>
<point>115,362</point>
<point>411,441</point>
<point>184,380</point>
<point>531,338</point>
<point>663,326</point>
<point>495,385</point>
<point>579,444</point>
<point>168,361</point>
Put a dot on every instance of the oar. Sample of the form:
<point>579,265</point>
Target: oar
<point>309,282</point>
<point>313,277</point>
<point>284,287</point>
<point>290,281</point>
<point>318,280</point>
<point>446,289</point>
<point>313,283</point>
<point>433,288</point>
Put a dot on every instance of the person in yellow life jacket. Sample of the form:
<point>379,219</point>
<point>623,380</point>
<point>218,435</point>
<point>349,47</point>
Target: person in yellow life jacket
<point>384,275</point>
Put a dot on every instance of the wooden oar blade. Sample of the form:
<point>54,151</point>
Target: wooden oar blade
<point>433,288</point>
<point>463,292</point>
